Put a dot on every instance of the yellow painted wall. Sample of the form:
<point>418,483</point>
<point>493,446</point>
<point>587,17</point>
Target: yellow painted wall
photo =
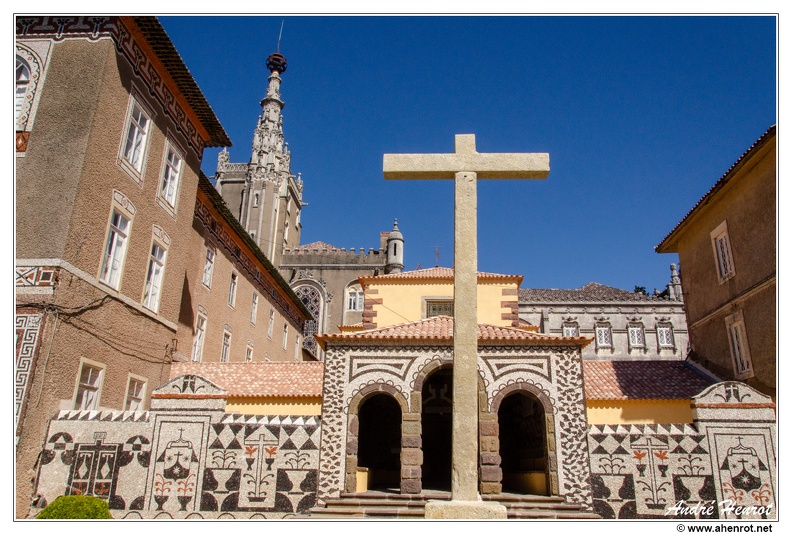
<point>403,301</point>
<point>308,406</point>
<point>642,411</point>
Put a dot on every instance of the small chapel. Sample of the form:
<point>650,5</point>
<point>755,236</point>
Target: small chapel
<point>331,390</point>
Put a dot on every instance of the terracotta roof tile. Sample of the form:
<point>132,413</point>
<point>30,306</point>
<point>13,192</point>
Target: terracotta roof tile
<point>591,292</point>
<point>440,329</point>
<point>443,273</point>
<point>663,379</point>
<point>258,379</point>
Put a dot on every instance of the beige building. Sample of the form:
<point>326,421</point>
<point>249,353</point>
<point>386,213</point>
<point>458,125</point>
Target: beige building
<point>113,231</point>
<point>236,307</point>
<point>727,249</point>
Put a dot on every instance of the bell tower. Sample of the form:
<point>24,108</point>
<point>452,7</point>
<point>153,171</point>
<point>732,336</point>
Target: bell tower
<point>263,194</point>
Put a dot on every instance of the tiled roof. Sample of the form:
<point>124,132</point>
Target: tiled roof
<point>159,41</point>
<point>443,273</point>
<point>591,292</point>
<point>440,330</point>
<point>662,247</point>
<point>615,380</point>
<point>258,379</point>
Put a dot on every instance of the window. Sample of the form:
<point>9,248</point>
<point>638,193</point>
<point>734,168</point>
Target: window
<point>721,246</point>
<point>271,322</point>
<point>255,199</point>
<point>198,341</point>
<point>738,345</point>
<point>440,308</point>
<point>136,390</point>
<point>208,267</point>
<point>603,331</point>
<point>285,335</point>
<point>115,250</point>
<point>226,346</point>
<point>22,83</point>
<point>171,173</point>
<point>570,329</point>
<point>296,348</point>
<point>635,334</point>
<point>249,353</point>
<point>153,288</point>
<point>88,387</point>
<point>354,298</point>
<point>665,335</point>
<point>232,290</point>
<point>254,308</point>
<point>136,135</point>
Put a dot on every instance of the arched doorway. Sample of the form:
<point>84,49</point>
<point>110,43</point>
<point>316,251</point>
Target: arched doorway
<point>523,444</point>
<point>379,441</point>
<point>436,422</point>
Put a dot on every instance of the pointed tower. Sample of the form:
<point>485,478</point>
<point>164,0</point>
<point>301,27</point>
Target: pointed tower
<point>395,248</point>
<point>675,285</point>
<point>263,194</point>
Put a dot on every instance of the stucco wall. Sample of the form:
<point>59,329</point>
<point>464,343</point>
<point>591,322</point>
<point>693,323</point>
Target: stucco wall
<point>655,411</point>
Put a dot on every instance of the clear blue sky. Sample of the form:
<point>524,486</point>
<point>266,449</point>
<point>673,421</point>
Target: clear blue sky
<point>640,116</point>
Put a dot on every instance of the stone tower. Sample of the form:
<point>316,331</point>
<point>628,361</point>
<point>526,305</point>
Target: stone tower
<point>395,250</point>
<point>263,194</point>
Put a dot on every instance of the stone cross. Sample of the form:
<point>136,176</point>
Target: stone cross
<point>465,165</point>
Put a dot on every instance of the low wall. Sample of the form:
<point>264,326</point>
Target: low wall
<point>722,466</point>
<point>185,458</point>
<point>188,458</point>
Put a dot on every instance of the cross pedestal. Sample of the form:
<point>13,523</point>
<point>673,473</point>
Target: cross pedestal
<point>465,166</point>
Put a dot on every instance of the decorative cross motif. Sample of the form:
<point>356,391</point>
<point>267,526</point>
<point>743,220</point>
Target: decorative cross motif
<point>465,166</point>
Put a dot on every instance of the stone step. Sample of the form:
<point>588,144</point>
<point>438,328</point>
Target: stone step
<point>373,504</point>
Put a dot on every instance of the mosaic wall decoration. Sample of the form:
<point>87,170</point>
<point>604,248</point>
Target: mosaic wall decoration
<point>183,463</point>
<point>721,466</point>
<point>26,330</point>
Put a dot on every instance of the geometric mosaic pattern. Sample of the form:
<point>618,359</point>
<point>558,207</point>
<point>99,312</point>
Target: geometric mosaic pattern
<point>183,464</point>
<point>27,327</point>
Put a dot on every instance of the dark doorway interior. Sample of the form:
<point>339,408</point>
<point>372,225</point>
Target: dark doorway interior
<point>436,430</point>
<point>523,447</point>
<point>379,441</point>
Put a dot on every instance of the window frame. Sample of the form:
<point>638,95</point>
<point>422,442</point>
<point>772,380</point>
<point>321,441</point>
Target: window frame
<point>128,395</point>
<point>605,327</point>
<point>199,336</point>
<point>232,288</point>
<point>254,307</point>
<point>146,301</point>
<point>663,326</point>
<point>225,347</point>
<point>355,298</point>
<point>570,325</point>
<point>166,175</point>
<point>209,266</point>
<point>112,231</point>
<point>636,337</point>
<point>97,387</point>
<point>249,351</point>
<point>430,302</point>
<point>739,349</point>
<point>285,336</point>
<point>135,170</point>
<point>723,253</point>
<point>271,326</point>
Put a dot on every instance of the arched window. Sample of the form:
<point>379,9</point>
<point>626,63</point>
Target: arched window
<point>354,301</point>
<point>22,83</point>
<point>312,299</point>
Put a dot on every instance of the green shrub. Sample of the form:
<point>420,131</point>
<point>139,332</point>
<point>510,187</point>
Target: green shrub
<point>65,507</point>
